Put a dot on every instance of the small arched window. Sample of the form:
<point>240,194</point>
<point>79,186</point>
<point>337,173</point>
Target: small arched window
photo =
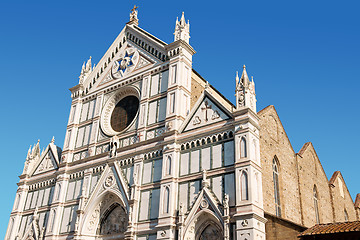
<point>166,200</point>
<point>244,186</point>
<point>243,150</point>
<point>168,165</point>
<point>316,205</point>
<point>276,187</point>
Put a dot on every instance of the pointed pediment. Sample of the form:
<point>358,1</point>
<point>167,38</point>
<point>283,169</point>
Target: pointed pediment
<point>206,204</point>
<point>205,112</point>
<point>112,180</point>
<point>110,189</point>
<point>49,160</point>
<point>32,230</point>
<point>128,61</point>
<point>133,51</point>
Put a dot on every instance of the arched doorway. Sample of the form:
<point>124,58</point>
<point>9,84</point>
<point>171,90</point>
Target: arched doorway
<point>114,221</point>
<point>209,231</point>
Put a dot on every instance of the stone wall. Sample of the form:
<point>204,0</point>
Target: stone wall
<point>312,175</point>
<point>274,142</point>
<point>299,173</point>
<point>277,228</point>
<point>341,199</point>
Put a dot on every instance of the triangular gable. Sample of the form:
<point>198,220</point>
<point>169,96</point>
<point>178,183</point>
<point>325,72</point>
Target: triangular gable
<point>206,111</point>
<point>111,183</point>
<point>111,179</point>
<point>32,231</point>
<point>49,160</point>
<point>128,61</point>
<point>205,202</point>
<point>148,51</point>
<point>270,111</point>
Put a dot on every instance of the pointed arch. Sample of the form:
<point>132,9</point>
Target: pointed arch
<point>244,183</point>
<point>243,149</point>
<point>166,200</point>
<point>276,186</point>
<point>113,221</point>
<point>316,204</point>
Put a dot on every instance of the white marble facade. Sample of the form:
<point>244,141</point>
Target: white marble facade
<point>138,161</point>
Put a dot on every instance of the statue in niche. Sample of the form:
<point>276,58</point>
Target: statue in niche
<point>115,222</point>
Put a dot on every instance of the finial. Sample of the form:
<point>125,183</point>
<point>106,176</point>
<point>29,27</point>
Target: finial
<point>182,29</point>
<point>53,139</point>
<point>237,77</point>
<point>133,16</point>
<point>252,78</point>
<point>244,67</point>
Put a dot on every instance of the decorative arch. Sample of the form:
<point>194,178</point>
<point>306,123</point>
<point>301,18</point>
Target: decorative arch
<point>204,223</point>
<point>168,165</point>
<point>105,207</point>
<point>166,200</point>
<point>113,221</point>
<point>244,184</point>
<point>243,148</point>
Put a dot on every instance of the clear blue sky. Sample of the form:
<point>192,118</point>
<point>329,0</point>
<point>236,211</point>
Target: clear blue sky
<point>304,56</point>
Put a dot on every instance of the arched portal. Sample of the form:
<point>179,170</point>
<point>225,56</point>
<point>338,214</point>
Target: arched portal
<point>105,218</point>
<point>205,225</point>
<point>114,221</point>
<point>209,231</point>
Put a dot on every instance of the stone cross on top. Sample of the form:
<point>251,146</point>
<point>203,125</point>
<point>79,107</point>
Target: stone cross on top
<point>133,16</point>
<point>207,106</point>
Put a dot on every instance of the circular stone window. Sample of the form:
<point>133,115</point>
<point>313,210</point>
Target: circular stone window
<point>120,111</point>
<point>124,113</point>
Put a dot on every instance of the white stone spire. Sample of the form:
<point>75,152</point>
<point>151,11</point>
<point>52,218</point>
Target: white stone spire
<point>245,91</point>
<point>85,71</point>
<point>182,29</point>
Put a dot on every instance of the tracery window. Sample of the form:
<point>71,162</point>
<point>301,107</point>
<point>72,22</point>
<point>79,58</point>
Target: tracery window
<point>244,186</point>
<point>276,187</point>
<point>316,205</point>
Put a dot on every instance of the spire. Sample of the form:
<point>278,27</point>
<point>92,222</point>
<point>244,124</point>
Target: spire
<point>237,79</point>
<point>182,29</point>
<point>133,16</point>
<point>244,77</point>
<point>245,91</point>
<point>86,69</point>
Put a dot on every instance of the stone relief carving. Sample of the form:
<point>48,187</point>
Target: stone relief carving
<point>115,222</point>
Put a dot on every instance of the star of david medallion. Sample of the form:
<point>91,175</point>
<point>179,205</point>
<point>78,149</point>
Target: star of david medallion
<point>126,63</point>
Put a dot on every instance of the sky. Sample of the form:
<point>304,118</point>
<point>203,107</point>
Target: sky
<point>304,56</point>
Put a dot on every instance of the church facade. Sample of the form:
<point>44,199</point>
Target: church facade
<point>153,151</point>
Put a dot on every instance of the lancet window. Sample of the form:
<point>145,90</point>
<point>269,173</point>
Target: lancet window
<point>316,205</point>
<point>276,187</point>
